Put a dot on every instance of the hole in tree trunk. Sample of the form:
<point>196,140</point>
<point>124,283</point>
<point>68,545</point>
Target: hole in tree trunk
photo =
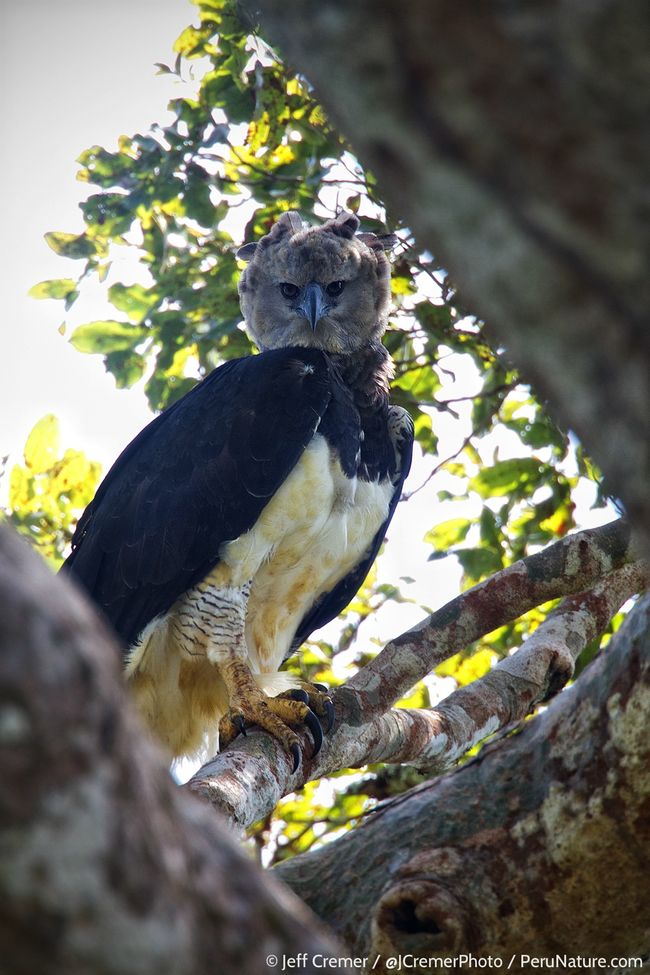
<point>405,919</point>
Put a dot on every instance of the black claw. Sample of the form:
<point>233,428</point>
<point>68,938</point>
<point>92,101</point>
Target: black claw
<point>331,714</point>
<point>297,694</point>
<point>240,724</point>
<point>297,755</point>
<point>313,724</point>
<point>321,687</point>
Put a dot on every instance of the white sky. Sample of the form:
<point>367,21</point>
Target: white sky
<point>73,74</point>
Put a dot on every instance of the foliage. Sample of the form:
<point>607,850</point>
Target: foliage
<point>50,490</point>
<point>246,142</point>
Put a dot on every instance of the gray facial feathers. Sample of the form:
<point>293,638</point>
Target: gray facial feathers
<point>350,271</point>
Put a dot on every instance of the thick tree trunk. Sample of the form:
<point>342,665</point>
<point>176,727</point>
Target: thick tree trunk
<point>105,866</point>
<point>539,846</point>
<point>513,140</point>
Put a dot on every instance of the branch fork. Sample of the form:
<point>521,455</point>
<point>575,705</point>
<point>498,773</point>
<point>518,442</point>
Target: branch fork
<point>598,565</point>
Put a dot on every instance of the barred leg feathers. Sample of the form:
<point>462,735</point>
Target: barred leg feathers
<point>196,691</point>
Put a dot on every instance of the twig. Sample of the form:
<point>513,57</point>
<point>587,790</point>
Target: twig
<point>438,467</point>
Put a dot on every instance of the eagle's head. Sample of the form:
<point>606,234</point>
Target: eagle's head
<point>326,287</point>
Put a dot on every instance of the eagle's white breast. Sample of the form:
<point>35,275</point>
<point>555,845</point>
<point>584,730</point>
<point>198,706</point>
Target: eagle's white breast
<point>313,532</point>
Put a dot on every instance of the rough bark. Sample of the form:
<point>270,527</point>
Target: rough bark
<point>513,141</point>
<point>105,867</point>
<point>247,780</point>
<point>540,845</point>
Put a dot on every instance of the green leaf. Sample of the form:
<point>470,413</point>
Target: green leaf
<point>448,533</point>
<point>108,336</point>
<point>197,199</point>
<point>420,381</point>
<point>127,366</point>
<point>478,563</point>
<point>423,432</point>
<point>507,477</point>
<point>110,214</point>
<point>59,288</point>
<point>104,168</point>
<point>190,42</point>
<point>70,245</point>
<point>490,534</point>
<point>221,91</point>
<point>435,319</point>
<point>133,300</point>
<point>538,433</point>
<point>162,392</point>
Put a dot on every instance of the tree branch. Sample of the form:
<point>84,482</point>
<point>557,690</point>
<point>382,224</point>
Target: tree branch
<point>253,774</point>
<point>534,673</point>
<point>568,566</point>
<point>105,865</point>
<point>539,845</point>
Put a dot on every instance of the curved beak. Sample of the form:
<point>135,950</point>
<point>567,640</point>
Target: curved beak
<point>313,303</point>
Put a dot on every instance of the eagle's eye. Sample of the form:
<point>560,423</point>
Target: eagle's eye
<point>335,288</point>
<point>289,290</point>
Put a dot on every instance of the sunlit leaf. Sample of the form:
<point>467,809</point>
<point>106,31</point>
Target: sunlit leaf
<point>19,487</point>
<point>190,43</point>
<point>448,533</point>
<point>42,444</point>
<point>60,288</point>
<point>465,669</point>
<point>490,533</point>
<point>506,476</point>
<point>133,299</point>
<point>73,470</point>
<point>70,245</point>
<point>108,336</point>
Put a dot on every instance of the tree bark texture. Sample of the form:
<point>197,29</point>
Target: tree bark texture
<point>539,845</point>
<point>513,140</point>
<point>105,866</point>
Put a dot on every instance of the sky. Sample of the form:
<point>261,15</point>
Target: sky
<point>72,74</point>
<point>75,73</point>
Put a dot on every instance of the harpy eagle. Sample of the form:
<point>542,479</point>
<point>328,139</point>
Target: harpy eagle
<point>249,512</point>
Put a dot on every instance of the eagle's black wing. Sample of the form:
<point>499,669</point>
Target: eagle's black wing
<point>334,602</point>
<point>197,476</point>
